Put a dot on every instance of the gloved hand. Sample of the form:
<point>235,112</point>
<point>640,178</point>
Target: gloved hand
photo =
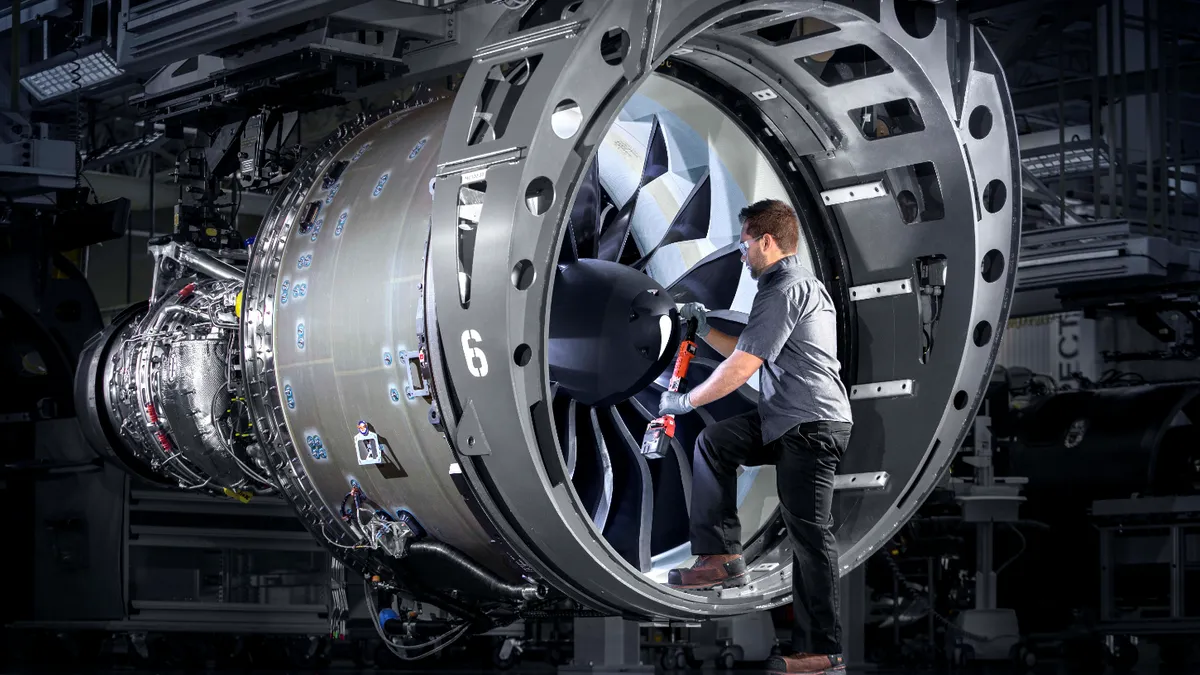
<point>674,403</point>
<point>697,311</point>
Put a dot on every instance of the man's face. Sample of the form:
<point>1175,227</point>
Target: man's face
<point>752,253</point>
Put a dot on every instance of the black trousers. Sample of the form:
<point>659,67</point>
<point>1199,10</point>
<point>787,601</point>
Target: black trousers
<point>806,459</point>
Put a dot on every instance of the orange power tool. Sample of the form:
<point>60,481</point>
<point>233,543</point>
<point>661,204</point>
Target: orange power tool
<point>659,433</point>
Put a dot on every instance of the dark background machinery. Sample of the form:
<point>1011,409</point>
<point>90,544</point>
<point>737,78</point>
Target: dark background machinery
<point>231,105</point>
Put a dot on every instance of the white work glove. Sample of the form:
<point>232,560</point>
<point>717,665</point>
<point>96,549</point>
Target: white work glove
<point>697,311</point>
<point>674,403</point>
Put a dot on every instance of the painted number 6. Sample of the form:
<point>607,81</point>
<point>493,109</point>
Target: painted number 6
<point>476,359</point>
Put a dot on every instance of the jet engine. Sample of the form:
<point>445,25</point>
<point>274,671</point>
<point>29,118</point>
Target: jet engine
<point>458,315</point>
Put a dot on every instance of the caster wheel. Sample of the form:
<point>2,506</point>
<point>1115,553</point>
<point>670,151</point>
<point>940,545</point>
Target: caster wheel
<point>680,660</point>
<point>690,659</point>
<point>727,660</point>
<point>665,660</point>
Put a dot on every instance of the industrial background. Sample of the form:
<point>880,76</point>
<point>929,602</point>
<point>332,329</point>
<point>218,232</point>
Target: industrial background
<point>1023,490</point>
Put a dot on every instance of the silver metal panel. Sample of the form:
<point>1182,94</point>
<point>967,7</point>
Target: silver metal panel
<point>860,481</point>
<point>351,286</point>
<point>889,389</point>
<point>881,290</point>
<point>192,394</point>
<point>854,193</point>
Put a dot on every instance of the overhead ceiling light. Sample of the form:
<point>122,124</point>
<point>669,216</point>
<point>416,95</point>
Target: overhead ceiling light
<point>74,70</point>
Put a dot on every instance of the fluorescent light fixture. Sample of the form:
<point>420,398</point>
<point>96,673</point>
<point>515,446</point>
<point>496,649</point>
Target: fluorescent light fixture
<point>84,72</point>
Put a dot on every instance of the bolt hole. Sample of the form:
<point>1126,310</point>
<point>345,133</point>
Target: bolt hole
<point>995,195</point>
<point>909,210</point>
<point>980,122</point>
<point>614,46</point>
<point>992,266</point>
<point>522,355</point>
<point>917,17</point>
<point>539,195</point>
<point>523,275</point>
<point>982,333</point>
<point>470,441</point>
<point>960,400</point>
<point>566,118</point>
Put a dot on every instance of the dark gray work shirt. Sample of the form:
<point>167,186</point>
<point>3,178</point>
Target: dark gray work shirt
<point>793,329</point>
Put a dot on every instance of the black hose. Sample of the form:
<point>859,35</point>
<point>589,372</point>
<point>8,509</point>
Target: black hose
<point>494,585</point>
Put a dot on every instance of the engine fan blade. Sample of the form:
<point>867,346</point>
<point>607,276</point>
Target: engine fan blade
<point>713,282</point>
<point>584,225</point>
<point>564,420</point>
<point>681,452</point>
<point>690,222</point>
<point>629,527</point>
<point>612,240</point>
<point>593,478</point>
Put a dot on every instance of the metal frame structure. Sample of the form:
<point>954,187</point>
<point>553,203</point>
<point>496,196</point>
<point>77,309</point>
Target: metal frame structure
<point>498,457</point>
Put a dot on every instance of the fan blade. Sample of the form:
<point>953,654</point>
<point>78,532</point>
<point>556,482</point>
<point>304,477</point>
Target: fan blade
<point>655,163</point>
<point>713,282</point>
<point>690,222</point>
<point>669,525</point>
<point>632,519</point>
<point>612,240</point>
<point>573,445</point>
<point>682,465</point>
<point>593,479</point>
<point>584,225</point>
<point>564,421</point>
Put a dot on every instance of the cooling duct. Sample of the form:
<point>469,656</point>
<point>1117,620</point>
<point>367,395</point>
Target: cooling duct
<point>458,315</point>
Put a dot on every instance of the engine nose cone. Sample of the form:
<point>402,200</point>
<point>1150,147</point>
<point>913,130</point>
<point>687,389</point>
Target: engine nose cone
<point>613,330</point>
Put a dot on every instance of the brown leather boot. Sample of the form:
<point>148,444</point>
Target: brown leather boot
<point>806,664</point>
<point>710,571</point>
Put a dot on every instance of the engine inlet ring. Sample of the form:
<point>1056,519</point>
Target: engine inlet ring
<point>496,408</point>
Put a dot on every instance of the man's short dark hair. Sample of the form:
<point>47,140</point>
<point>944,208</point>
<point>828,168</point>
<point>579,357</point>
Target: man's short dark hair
<point>773,217</point>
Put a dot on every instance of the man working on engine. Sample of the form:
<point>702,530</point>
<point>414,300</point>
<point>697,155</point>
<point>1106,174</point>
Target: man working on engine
<point>802,426</point>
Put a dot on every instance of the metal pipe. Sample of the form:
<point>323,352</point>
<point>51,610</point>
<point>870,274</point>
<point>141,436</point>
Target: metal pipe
<point>1062,141</point>
<point>1164,129</point>
<point>1110,132</point>
<point>128,267</point>
<point>151,172</point>
<point>1177,150</point>
<point>14,37</point>
<point>203,262</point>
<point>1148,104</point>
<point>1126,178</point>
<point>1095,115</point>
